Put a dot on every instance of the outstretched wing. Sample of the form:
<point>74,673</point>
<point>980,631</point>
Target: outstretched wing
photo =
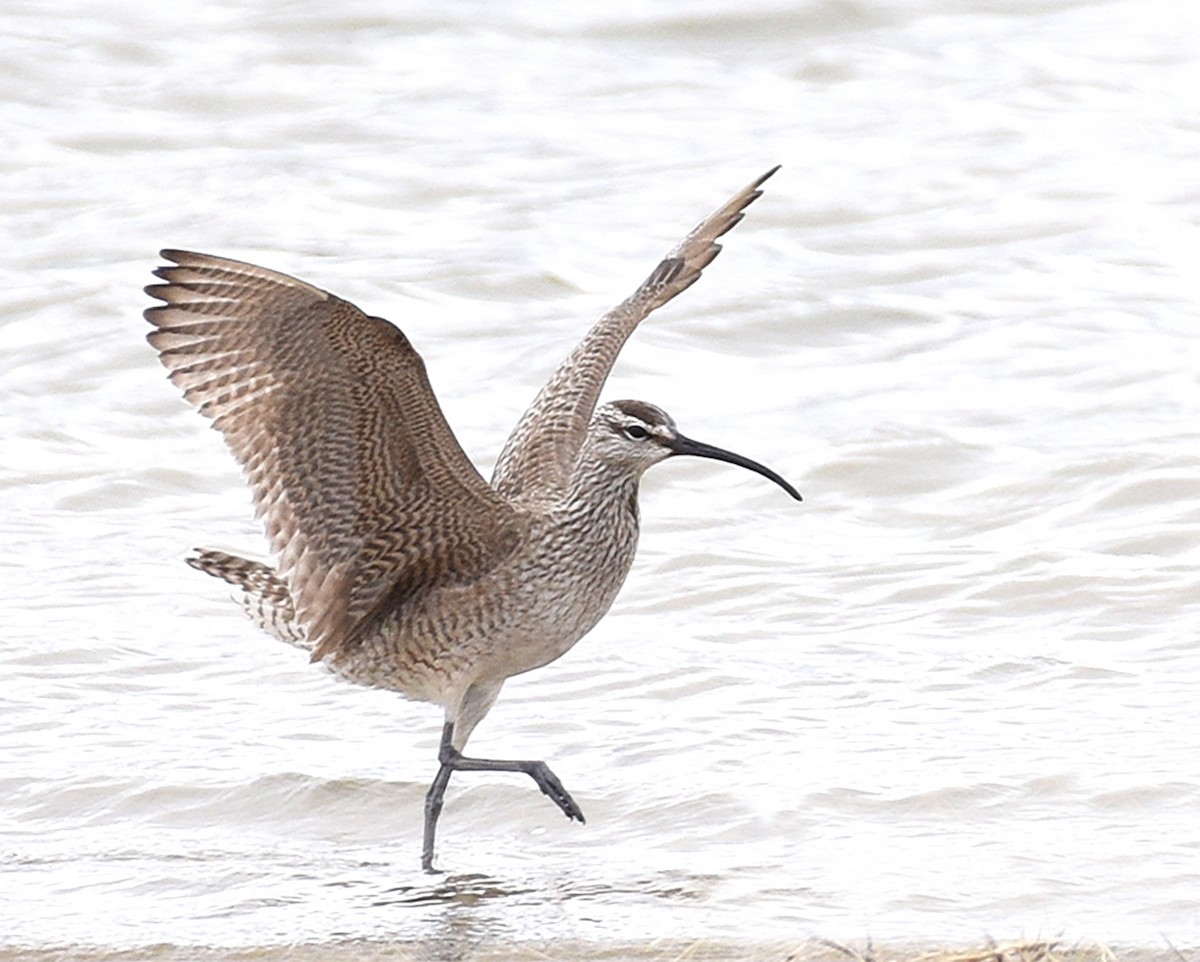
<point>538,457</point>
<point>365,492</point>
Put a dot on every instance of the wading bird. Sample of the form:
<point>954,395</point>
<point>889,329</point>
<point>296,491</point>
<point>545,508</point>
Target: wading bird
<point>396,564</point>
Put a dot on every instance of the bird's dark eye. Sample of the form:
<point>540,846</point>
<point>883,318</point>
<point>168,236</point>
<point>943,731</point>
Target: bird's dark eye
<point>635,432</point>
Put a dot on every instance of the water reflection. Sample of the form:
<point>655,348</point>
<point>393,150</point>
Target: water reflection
<point>951,697</point>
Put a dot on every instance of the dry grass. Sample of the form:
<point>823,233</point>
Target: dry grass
<point>822,950</point>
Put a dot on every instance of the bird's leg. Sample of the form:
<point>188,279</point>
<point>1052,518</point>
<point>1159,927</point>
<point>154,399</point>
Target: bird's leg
<point>435,795</point>
<point>452,760</point>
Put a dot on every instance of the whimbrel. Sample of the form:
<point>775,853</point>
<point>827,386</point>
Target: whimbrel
<point>396,564</point>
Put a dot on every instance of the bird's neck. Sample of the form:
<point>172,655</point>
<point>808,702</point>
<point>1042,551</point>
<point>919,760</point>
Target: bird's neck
<point>601,490</point>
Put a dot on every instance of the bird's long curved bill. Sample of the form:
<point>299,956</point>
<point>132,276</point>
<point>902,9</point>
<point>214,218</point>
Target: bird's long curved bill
<point>682,445</point>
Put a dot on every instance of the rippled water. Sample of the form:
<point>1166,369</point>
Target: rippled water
<point>952,693</point>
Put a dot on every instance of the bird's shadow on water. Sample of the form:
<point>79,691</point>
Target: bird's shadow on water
<point>457,919</point>
<point>465,890</point>
<point>476,889</point>
<point>465,912</point>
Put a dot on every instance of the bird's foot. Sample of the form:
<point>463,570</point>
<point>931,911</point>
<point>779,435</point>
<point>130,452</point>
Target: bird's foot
<point>551,787</point>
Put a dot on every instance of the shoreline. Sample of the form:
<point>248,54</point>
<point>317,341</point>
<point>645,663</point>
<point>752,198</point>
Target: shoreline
<point>666,950</point>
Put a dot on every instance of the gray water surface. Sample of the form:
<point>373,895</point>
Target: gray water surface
<point>951,694</point>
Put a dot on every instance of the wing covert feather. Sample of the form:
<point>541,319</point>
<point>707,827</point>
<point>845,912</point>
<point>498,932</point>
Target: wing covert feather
<point>363,489</point>
<point>538,457</point>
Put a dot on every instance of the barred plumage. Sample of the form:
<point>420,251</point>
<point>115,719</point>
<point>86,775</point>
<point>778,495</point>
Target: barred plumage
<point>396,563</point>
<point>264,596</point>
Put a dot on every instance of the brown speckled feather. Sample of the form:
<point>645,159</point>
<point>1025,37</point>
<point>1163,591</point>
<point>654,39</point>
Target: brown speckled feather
<point>540,453</point>
<point>366,495</point>
<point>264,596</point>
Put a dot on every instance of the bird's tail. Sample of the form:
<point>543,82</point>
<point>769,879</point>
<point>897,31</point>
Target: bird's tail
<point>264,595</point>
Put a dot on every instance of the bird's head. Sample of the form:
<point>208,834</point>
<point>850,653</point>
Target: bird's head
<point>633,435</point>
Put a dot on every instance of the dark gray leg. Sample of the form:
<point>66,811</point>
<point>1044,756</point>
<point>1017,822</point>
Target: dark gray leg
<point>454,761</point>
<point>433,801</point>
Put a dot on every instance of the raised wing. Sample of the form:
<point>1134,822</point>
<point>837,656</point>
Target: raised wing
<point>538,457</point>
<point>365,493</point>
